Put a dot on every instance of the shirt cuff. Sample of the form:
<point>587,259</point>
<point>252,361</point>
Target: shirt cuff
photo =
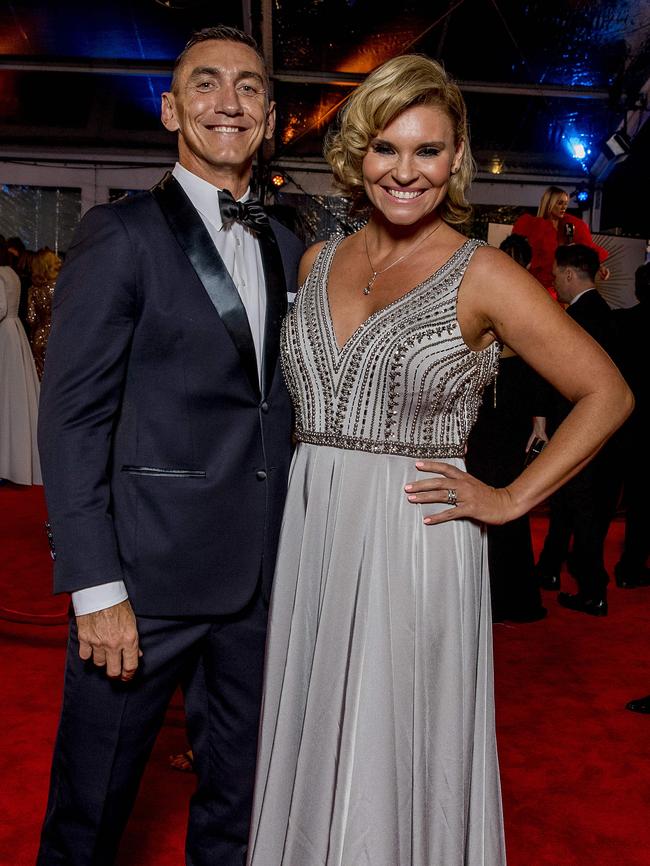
<point>96,598</point>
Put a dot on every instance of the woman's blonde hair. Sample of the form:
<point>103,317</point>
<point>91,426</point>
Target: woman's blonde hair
<point>549,200</point>
<point>398,84</point>
<point>45,267</point>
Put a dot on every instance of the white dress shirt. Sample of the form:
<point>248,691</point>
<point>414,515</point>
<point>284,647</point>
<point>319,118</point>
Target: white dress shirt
<point>240,251</point>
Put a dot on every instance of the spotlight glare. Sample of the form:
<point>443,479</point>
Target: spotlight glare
<point>578,150</point>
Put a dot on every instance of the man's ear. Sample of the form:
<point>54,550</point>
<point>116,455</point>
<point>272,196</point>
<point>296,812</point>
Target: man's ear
<point>270,122</point>
<point>168,112</point>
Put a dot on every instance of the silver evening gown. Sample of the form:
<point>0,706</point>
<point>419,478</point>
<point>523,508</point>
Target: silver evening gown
<point>377,738</point>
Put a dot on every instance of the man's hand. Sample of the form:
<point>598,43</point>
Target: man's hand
<point>110,638</point>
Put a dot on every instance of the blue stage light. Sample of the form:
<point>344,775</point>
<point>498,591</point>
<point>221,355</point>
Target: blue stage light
<point>582,195</point>
<point>577,148</point>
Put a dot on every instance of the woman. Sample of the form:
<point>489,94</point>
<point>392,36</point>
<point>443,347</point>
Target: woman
<point>551,228</point>
<point>19,387</point>
<point>45,269</point>
<point>377,737</point>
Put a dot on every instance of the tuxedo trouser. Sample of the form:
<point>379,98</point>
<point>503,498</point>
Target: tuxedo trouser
<point>582,508</point>
<point>636,498</point>
<point>108,728</point>
<point>637,523</point>
<point>513,582</point>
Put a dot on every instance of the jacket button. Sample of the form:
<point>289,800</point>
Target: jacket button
<point>260,475</point>
<point>264,407</point>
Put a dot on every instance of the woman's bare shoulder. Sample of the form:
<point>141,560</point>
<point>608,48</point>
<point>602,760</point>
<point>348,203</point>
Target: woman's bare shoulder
<point>495,286</point>
<point>492,267</point>
<point>311,254</point>
<point>307,261</point>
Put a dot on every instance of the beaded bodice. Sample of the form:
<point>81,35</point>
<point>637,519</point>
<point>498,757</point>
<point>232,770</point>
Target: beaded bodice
<point>404,383</point>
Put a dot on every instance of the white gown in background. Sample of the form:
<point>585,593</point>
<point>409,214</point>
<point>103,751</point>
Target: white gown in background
<point>19,390</point>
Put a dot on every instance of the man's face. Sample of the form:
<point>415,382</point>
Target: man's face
<point>219,107</point>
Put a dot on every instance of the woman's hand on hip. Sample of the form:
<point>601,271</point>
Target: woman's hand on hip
<point>466,496</point>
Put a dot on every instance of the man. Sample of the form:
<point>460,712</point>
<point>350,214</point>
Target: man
<point>634,326</point>
<point>584,507</point>
<point>165,436</point>
<point>632,570</point>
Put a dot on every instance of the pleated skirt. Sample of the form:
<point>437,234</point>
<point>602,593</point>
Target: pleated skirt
<point>377,740</point>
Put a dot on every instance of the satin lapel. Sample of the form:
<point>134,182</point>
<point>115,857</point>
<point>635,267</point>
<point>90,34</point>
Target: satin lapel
<point>276,305</point>
<point>189,230</point>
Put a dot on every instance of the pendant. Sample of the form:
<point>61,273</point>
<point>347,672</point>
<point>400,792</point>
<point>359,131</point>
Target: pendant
<point>371,282</point>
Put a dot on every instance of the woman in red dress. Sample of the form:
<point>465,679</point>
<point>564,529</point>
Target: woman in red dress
<point>551,228</point>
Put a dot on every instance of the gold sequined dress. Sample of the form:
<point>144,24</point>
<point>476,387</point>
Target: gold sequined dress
<point>39,315</point>
<point>377,744</point>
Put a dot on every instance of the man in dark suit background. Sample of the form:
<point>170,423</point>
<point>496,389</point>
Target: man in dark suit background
<point>632,569</point>
<point>165,439</point>
<point>584,507</point>
<point>633,325</point>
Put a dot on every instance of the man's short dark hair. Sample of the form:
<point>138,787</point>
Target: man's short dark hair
<point>518,248</point>
<point>642,283</point>
<point>579,257</point>
<point>219,33</point>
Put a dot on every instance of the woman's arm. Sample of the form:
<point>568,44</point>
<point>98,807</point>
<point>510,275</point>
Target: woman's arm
<point>3,299</point>
<point>538,431</point>
<point>582,235</point>
<point>498,300</point>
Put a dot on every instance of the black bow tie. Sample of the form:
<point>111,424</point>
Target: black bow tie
<point>249,213</point>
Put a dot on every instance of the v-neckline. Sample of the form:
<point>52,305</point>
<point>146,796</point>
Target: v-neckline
<point>340,349</point>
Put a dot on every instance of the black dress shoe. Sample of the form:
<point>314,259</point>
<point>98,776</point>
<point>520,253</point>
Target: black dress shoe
<point>629,579</point>
<point>592,606</point>
<point>640,705</point>
<point>549,581</point>
<point>625,581</point>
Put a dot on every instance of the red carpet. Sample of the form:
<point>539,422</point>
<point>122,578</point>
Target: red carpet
<point>575,764</point>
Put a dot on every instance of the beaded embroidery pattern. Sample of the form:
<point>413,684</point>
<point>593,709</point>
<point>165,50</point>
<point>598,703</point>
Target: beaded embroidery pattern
<point>405,382</point>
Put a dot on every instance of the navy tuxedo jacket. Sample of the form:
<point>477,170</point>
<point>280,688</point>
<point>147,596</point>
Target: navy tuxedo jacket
<point>593,313</point>
<point>165,461</point>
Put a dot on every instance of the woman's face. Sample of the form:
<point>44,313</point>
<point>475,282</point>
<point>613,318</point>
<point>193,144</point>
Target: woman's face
<point>407,167</point>
<point>559,208</point>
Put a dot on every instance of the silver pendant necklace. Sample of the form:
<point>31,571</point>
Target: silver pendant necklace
<point>368,288</point>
